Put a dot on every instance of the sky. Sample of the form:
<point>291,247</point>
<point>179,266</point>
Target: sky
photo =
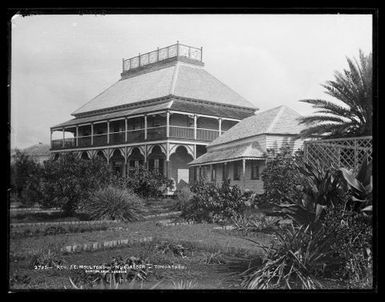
<point>60,62</point>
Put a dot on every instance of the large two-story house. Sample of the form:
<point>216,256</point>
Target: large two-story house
<point>162,113</point>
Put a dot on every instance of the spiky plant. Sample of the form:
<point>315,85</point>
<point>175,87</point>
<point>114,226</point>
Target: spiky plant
<point>294,262</point>
<point>184,284</point>
<point>114,203</point>
<point>353,115</point>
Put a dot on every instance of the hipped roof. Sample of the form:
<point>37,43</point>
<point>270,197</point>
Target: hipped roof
<point>176,79</point>
<point>278,120</point>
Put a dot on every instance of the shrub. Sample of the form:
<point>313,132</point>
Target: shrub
<point>25,179</point>
<point>295,261</point>
<point>353,246</point>
<point>183,196</point>
<point>360,186</point>
<point>69,180</point>
<point>281,179</point>
<point>114,203</point>
<point>211,203</point>
<point>146,183</point>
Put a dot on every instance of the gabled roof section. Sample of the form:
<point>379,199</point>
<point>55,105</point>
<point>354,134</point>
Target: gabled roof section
<point>247,151</point>
<point>174,78</point>
<point>278,120</point>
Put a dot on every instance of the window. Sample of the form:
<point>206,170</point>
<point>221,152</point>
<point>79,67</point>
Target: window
<point>225,174</point>
<point>213,173</point>
<point>254,170</point>
<point>237,171</point>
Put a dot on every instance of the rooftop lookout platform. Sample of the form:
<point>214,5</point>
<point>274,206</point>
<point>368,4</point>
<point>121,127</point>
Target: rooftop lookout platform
<point>178,51</point>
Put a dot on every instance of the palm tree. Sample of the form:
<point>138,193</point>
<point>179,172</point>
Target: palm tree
<point>352,87</point>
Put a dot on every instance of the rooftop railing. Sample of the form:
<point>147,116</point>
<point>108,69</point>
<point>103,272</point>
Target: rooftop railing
<point>175,50</point>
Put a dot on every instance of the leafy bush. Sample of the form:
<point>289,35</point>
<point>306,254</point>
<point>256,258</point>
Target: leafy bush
<point>353,246</point>
<point>296,261</point>
<point>212,203</point>
<point>69,180</point>
<point>114,203</point>
<point>25,179</point>
<point>146,183</point>
<point>361,186</point>
<point>183,196</point>
<point>281,179</point>
<point>321,189</point>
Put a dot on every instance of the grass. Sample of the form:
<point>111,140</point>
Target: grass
<point>203,251</point>
<point>192,273</point>
<point>200,234</point>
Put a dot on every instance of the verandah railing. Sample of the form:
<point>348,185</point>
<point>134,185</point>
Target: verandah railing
<point>135,136</point>
<point>342,152</point>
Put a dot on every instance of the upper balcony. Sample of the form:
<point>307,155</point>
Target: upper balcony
<point>126,130</point>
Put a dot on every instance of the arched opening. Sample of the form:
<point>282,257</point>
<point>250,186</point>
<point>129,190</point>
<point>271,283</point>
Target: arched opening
<point>100,155</point>
<point>117,162</point>
<point>84,155</point>
<point>156,160</point>
<point>135,159</point>
<point>179,170</point>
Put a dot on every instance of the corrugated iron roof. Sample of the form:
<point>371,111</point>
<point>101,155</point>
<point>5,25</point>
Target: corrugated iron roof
<point>205,109</point>
<point>178,79</point>
<point>250,150</point>
<point>278,120</point>
<point>117,114</point>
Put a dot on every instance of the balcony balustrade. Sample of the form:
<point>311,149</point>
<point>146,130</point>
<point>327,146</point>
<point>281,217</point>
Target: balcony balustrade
<point>84,141</point>
<point>207,134</point>
<point>136,136</point>
<point>181,132</point>
<point>117,138</point>
<point>155,133</point>
<point>100,139</point>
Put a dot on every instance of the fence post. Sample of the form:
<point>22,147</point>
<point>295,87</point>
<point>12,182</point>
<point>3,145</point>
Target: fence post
<point>355,155</point>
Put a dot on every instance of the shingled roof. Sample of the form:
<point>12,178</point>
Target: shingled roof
<point>174,78</point>
<point>278,120</point>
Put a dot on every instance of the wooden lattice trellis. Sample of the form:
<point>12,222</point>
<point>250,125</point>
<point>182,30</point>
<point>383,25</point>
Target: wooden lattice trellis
<point>342,152</point>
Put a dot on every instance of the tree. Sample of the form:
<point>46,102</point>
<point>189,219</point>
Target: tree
<point>69,180</point>
<point>25,178</point>
<point>352,87</point>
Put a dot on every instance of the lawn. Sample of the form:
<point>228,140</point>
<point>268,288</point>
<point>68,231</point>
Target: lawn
<point>202,242</point>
